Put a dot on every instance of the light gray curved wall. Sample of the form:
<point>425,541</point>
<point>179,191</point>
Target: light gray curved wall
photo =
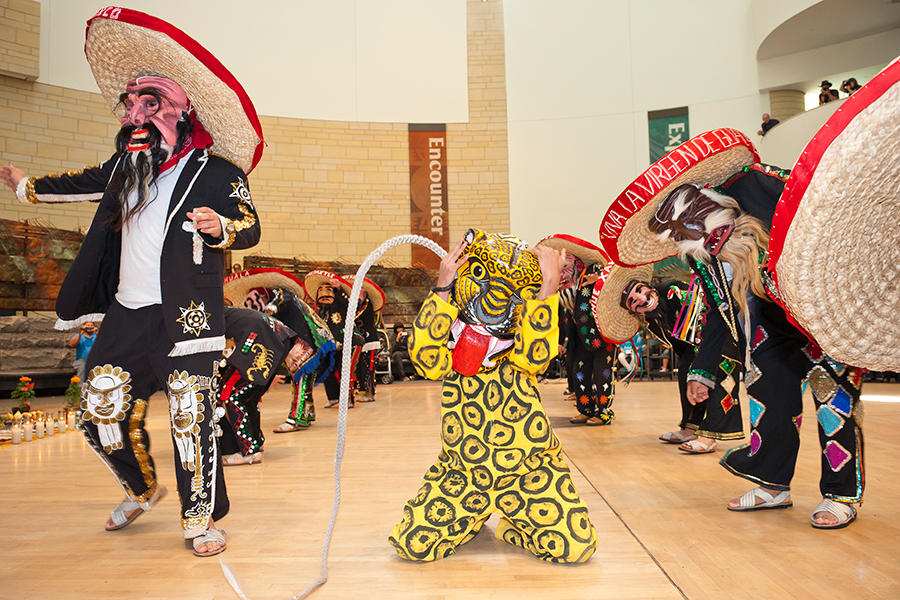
<point>342,60</point>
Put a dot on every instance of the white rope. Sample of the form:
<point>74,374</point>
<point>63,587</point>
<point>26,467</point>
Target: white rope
<point>346,359</point>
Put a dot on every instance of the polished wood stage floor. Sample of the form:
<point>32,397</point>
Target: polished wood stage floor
<point>660,515</point>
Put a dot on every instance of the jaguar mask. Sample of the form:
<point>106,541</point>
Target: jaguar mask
<point>489,291</point>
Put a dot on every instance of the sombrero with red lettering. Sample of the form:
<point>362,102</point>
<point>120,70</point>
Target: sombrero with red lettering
<point>586,251</point>
<point>238,285</point>
<point>123,44</point>
<point>835,243</point>
<point>317,278</point>
<point>375,294</point>
<point>709,158</point>
<point>615,323</point>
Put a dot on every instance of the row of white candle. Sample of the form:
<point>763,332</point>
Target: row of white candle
<point>26,428</point>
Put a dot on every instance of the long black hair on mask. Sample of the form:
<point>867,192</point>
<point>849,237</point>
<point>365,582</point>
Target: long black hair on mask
<point>140,169</point>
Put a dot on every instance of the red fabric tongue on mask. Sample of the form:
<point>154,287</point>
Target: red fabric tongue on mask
<point>469,351</point>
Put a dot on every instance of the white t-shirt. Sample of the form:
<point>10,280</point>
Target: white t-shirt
<point>142,242</point>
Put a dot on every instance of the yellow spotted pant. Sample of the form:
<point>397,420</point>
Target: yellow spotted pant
<point>499,456</point>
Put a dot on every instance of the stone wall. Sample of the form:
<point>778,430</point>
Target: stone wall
<point>28,345</point>
<point>20,39</point>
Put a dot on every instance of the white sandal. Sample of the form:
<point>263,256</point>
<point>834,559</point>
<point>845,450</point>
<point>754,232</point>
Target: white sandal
<point>239,459</point>
<point>845,513</point>
<point>676,437</point>
<point>119,517</point>
<point>210,535</point>
<point>748,500</point>
<point>288,427</point>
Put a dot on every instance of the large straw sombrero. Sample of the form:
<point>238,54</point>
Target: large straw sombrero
<point>314,279</point>
<point>835,244</point>
<point>123,44</point>
<point>237,286</point>
<point>709,158</point>
<point>586,251</point>
<point>374,292</point>
<point>616,324</point>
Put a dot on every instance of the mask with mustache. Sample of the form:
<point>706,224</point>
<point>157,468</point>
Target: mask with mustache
<point>156,127</point>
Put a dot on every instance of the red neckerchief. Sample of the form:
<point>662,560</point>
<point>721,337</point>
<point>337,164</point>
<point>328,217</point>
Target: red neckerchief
<point>199,138</point>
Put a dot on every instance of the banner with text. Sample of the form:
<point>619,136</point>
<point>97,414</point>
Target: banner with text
<point>668,129</point>
<point>428,191</point>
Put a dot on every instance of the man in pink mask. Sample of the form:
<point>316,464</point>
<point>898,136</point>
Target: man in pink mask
<point>173,194</point>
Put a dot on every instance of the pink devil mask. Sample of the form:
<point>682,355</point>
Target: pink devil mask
<point>157,100</point>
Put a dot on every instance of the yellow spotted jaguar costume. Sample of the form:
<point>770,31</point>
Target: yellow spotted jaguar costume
<point>499,453</point>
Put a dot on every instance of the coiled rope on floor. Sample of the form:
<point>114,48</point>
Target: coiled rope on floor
<point>346,359</point>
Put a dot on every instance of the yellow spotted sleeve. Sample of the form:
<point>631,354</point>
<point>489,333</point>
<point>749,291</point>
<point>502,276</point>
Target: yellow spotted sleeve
<point>537,338</point>
<point>428,342</point>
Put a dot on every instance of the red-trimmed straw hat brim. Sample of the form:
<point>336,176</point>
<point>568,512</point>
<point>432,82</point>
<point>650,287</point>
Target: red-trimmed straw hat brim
<point>375,293</point>
<point>834,243</point>
<point>123,44</point>
<point>314,279</point>
<point>709,158</point>
<point>237,285</point>
<point>586,251</point>
<point>615,323</point>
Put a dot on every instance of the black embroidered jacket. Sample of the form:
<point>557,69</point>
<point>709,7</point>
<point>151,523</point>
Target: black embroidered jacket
<point>191,264</point>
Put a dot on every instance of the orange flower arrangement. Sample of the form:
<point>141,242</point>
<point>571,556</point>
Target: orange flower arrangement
<point>24,392</point>
<point>73,392</point>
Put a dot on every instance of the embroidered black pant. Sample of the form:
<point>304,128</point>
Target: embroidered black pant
<point>781,360</point>
<point>128,363</point>
<point>719,417</point>
<point>241,431</point>
<point>365,373</point>
<point>594,391</point>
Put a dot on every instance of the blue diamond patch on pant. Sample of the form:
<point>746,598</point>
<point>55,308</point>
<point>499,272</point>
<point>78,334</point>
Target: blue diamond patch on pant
<point>757,409</point>
<point>830,421</point>
<point>842,402</point>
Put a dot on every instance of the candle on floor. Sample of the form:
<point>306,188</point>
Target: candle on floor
<point>28,429</point>
<point>17,429</point>
<point>70,421</point>
<point>60,422</point>
<point>51,426</point>
<point>39,427</point>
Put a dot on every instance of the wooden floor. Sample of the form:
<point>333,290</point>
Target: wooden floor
<point>660,515</point>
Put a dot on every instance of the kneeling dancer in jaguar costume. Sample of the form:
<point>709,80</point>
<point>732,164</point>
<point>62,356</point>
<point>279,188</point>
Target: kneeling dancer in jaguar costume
<point>499,454</point>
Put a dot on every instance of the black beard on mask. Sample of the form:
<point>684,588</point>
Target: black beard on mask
<point>657,315</point>
<point>140,168</point>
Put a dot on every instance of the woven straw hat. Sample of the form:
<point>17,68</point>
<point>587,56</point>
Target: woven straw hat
<point>375,293</point>
<point>237,286</point>
<point>586,251</point>
<point>616,324</point>
<point>709,158</point>
<point>314,279</point>
<point>123,44</point>
<point>834,241</point>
